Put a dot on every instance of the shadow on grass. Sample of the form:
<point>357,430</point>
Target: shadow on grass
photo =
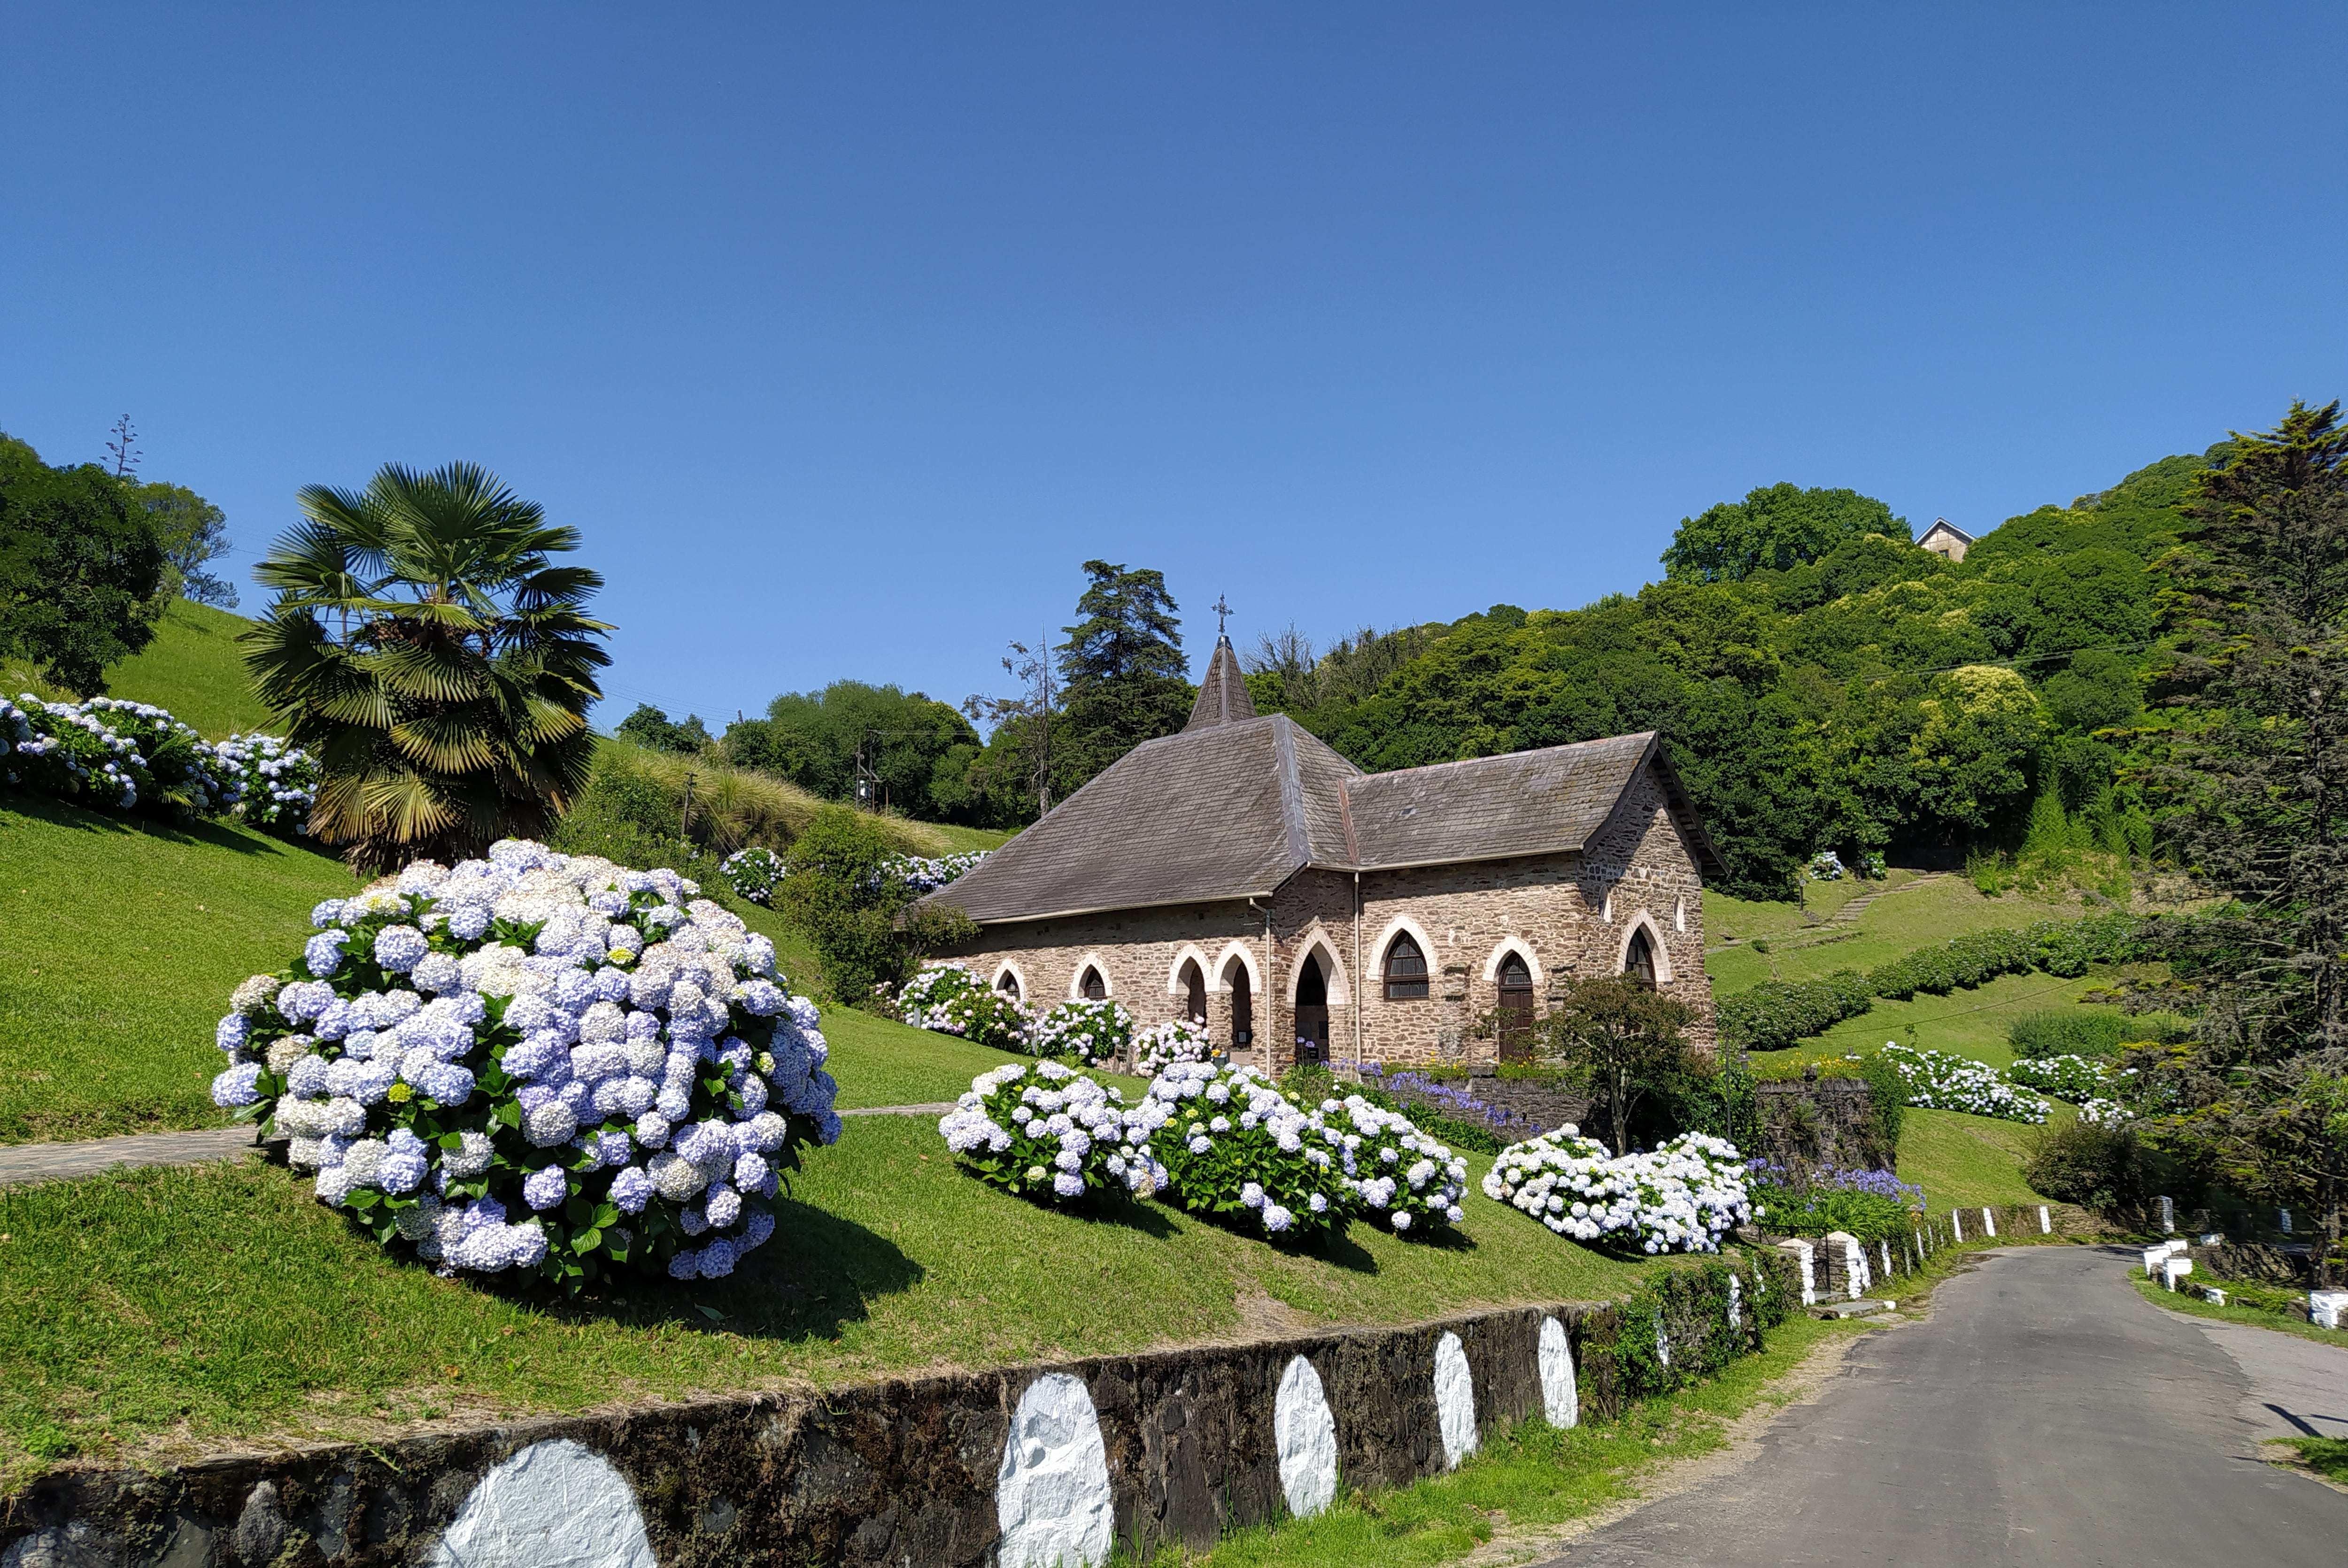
<point>192,830</point>
<point>815,1276</point>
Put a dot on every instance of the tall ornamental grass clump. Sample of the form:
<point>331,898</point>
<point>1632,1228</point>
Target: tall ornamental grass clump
<point>1051,1134</point>
<point>538,1062</point>
<point>1681,1196</point>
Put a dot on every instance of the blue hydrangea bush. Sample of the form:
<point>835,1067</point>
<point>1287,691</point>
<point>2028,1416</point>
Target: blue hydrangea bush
<point>928,875</point>
<point>1089,1033</point>
<point>111,756</point>
<point>1399,1177</point>
<point>537,1063</point>
<point>1049,1132</point>
<point>949,999</point>
<point>1681,1196</point>
<point>1238,1150</point>
<point>275,783</point>
<point>753,874</point>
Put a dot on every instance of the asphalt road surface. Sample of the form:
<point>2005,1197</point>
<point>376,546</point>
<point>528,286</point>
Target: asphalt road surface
<point>2044,1413</point>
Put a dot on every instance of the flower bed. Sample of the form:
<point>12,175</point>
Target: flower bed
<point>1235,1148</point>
<point>1049,1132</point>
<point>949,999</point>
<point>112,756</point>
<point>1939,1081</point>
<point>1681,1197</point>
<point>1089,1032</point>
<point>1873,1205</point>
<point>1163,1045</point>
<point>540,1063</point>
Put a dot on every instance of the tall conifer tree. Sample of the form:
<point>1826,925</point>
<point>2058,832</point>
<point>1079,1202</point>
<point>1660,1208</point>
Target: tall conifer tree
<point>1122,672</point>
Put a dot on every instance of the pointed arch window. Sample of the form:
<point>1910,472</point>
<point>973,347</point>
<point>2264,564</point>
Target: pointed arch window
<point>1639,960</point>
<point>1406,970</point>
<point>1092,987</point>
<point>1194,991</point>
<point>1008,984</point>
<point>1516,987</point>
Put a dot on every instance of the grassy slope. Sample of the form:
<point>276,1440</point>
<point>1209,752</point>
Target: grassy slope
<point>195,669</point>
<point>119,942</point>
<point>1892,926</point>
<point>221,1300</point>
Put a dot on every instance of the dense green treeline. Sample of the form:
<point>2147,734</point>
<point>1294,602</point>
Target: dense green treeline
<point>1821,682</point>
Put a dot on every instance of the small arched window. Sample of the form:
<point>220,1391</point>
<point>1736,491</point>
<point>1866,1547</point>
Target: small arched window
<point>1008,984</point>
<point>1092,987</point>
<point>1194,991</point>
<point>1639,960</point>
<point>1406,970</point>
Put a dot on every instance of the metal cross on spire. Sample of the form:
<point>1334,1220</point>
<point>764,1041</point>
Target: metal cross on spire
<point>1220,609</point>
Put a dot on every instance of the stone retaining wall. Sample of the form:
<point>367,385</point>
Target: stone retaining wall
<point>1830,1274</point>
<point>1175,1446</point>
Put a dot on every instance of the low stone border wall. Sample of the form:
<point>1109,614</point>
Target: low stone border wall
<point>998,1467</point>
<point>1841,1268</point>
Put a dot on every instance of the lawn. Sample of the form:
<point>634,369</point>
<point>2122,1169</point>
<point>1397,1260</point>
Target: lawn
<point>119,942</point>
<point>1892,926</point>
<point>1965,1160</point>
<point>174,1309</point>
<point>1968,1023</point>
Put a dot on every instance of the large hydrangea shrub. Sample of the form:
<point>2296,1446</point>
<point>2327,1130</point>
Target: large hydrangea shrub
<point>949,999</point>
<point>1938,1080</point>
<point>1236,1148</point>
<point>753,874</point>
<point>1049,1132</point>
<point>1178,1041</point>
<point>1399,1177</point>
<point>539,1063</point>
<point>928,875</point>
<point>2077,1079</point>
<point>1683,1197</point>
<point>275,784</point>
<point>1090,1033</point>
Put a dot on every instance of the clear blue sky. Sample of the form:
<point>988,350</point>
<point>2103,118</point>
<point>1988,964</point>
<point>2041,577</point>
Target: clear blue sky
<point>844,333</point>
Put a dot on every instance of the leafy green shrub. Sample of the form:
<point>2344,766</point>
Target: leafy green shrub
<point>1817,1209</point>
<point>2098,1165</point>
<point>838,890</point>
<point>1774,1014</point>
<point>2052,1033</point>
<point>1674,1328</point>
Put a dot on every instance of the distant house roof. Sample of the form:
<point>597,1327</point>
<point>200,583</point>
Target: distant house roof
<point>1233,808</point>
<point>1942,528</point>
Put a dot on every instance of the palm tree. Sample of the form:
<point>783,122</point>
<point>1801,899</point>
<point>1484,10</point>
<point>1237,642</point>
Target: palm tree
<point>424,647</point>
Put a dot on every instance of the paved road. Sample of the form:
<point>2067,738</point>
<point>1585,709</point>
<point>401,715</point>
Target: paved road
<point>2044,1414</point>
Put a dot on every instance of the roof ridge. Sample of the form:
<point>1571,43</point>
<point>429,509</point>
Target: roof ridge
<point>1292,793</point>
<point>1501,756</point>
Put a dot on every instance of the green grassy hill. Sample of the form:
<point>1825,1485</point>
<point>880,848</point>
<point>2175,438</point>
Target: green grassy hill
<point>192,667</point>
<point>143,1314</point>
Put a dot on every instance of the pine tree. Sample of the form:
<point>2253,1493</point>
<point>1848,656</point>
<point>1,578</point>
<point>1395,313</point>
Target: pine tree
<point>2257,784</point>
<point>1122,671</point>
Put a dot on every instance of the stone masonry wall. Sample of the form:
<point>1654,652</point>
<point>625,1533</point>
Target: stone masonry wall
<point>909,1471</point>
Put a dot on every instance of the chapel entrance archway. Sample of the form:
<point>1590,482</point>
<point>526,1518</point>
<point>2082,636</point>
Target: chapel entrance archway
<point>1312,1011</point>
<point>1194,991</point>
<point>1242,990</point>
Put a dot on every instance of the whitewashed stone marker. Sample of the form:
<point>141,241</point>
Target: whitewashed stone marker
<point>2154,1256</point>
<point>1735,1307</point>
<point>2168,1214</point>
<point>1561,1395</point>
<point>1051,1495</point>
<point>1801,1249</point>
<point>1455,1399</point>
<point>555,1504</point>
<point>2283,1215</point>
<point>2173,1269</point>
<point>1989,1224</point>
<point>1854,1263</point>
<point>1957,1224</point>
<point>2325,1308</point>
<point>1307,1438</point>
<point>1885,1248</point>
<point>2045,1222</point>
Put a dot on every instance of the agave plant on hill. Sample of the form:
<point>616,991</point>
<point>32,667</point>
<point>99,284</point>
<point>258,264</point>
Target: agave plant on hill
<point>426,647</point>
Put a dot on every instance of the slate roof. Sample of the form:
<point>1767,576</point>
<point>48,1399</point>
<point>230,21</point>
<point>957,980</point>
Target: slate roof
<point>1223,696</point>
<point>1233,809</point>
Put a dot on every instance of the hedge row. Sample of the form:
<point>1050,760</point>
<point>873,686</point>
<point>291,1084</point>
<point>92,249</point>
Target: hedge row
<point>1775,1013</point>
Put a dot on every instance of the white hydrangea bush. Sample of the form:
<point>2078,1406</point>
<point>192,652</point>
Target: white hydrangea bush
<point>538,1062</point>
<point>275,784</point>
<point>1235,1148</point>
<point>1048,1131</point>
<point>1938,1080</point>
<point>2078,1079</point>
<point>928,875</point>
<point>1180,1042</point>
<point>1400,1178</point>
<point>1090,1033</point>
<point>1681,1196</point>
<point>950,999</point>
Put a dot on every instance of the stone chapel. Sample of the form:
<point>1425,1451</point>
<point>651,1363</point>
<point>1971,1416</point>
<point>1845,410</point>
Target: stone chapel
<point>1242,872</point>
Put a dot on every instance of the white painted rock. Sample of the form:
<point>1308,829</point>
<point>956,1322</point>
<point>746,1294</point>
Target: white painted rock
<point>2327,1308</point>
<point>553,1505</point>
<point>1051,1495</point>
<point>1735,1303</point>
<point>1307,1438</point>
<point>1989,1224</point>
<point>1561,1395</point>
<point>1455,1399</point>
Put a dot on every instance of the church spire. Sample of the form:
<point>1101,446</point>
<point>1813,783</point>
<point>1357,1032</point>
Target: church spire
<point>1223,695</point>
